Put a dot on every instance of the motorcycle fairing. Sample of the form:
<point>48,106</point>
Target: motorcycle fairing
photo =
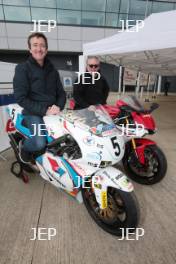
<point>59,171</point>
<point>17,118</point>
<point>144,119</point>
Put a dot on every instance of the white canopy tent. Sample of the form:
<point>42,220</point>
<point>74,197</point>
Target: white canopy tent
<point>152,49</point>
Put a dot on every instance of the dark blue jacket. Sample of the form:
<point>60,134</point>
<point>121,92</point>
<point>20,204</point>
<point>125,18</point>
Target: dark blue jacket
<point>86,94</point>
<point>36,88</point>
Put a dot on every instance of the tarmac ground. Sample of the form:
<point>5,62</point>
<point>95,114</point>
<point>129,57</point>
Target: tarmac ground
<point>78,239</point>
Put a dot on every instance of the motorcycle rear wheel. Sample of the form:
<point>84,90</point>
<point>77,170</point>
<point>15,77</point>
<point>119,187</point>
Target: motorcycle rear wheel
<point>152,172</point>
<point>122,211</point>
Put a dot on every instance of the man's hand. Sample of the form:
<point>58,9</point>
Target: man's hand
<point>53,110</point>
<point>92,108</point>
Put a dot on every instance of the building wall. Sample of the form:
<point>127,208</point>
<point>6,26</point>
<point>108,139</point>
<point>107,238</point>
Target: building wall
<point>78,22</point>
<point>13,36</point>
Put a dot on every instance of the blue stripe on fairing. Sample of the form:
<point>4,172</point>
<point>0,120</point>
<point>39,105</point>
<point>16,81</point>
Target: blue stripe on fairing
<point>40,159</point>
<point>49,139</point>
<point>18,124</point>
<point>61,172</point>
<point>24,130</point>
<point>6,99</point>
<point>73,173</point>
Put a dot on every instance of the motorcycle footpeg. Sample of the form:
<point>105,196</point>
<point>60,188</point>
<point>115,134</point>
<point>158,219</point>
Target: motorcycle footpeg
<point>16,169</point>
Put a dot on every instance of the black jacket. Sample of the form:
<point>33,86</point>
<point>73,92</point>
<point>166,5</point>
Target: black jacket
<point>90,94</point>
<point>36,88</point>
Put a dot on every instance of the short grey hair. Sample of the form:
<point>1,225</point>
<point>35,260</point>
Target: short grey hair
<point>92,57</point>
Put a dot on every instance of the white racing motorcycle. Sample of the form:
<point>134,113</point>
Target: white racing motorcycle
<point>82,146</point>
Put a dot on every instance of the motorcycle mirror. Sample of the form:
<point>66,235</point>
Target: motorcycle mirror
<point>153,107</point>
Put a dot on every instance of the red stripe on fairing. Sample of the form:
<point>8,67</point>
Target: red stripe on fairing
<point>73,167</point>
<point>65,125</point>
<point>54,164</point>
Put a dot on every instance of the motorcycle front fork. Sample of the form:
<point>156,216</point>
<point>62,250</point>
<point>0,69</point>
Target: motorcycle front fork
<point>132,141</point>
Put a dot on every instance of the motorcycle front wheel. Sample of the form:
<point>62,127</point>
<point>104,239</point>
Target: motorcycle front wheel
<point>122,211</point>
<point>152,171</point>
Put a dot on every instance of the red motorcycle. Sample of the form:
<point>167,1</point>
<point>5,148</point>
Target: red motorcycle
<point>143,161</point>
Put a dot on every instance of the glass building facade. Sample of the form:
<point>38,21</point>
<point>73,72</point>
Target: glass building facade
<point>95,13</point>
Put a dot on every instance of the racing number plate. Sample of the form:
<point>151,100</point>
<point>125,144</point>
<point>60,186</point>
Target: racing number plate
<point>115,145</point>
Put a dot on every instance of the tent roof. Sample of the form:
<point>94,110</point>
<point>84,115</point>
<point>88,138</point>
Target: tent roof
<point>152,49</point>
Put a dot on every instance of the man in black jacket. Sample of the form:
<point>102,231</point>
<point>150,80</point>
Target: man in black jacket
<point>38,89</point>
<point>91,89</point>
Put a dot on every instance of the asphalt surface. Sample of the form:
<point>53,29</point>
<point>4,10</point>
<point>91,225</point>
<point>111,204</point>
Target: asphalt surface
<point>78,239</point>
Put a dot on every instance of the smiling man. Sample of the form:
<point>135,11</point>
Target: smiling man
<point>38,89</point>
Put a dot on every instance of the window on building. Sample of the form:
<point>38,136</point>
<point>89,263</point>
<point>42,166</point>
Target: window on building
<point>124,6</point>
<point>69,4</point>
<point>136,17</point>
<point>43,3</point>
<point>16,2</point>
<point>137,7</point>
<point>93,18</point>
<point>14,13</point>
<point>123,17</point>
<point>1,13</point>
<point>161,7</point>
<point>111,19</point>
<point>43,13</point>
<point>68,17</point>
<point>112,5</point>
<point>93,5</point>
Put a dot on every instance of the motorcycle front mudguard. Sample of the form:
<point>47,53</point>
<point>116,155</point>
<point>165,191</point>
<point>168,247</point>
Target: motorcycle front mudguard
<point>109,177</point>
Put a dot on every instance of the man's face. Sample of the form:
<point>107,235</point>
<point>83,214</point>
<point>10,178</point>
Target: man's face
<point>93,65</point>
<point>38,48</point>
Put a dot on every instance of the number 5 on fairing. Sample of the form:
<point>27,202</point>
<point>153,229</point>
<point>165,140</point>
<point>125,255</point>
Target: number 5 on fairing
<point>115,145</point>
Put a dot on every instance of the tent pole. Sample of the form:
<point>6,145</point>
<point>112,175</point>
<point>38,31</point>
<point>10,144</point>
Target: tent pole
<point>159,84</point>
<point>148,87</point>
<point>138,84</point>
<point>120,80</point>
<point>141,94</point>
<point>123,89</point>
<point>82,63</point>
<point>154,90</point>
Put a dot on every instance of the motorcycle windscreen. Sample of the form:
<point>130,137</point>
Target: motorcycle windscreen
<point>94,119</point>
<point>133,101</point>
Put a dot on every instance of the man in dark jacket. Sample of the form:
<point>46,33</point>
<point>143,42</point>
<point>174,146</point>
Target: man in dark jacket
<point>166,87</point>
<point>90,90</point>
<point>38,89</point>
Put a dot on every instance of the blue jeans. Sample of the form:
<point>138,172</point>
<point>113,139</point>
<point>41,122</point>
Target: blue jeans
<point>37,141</point>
